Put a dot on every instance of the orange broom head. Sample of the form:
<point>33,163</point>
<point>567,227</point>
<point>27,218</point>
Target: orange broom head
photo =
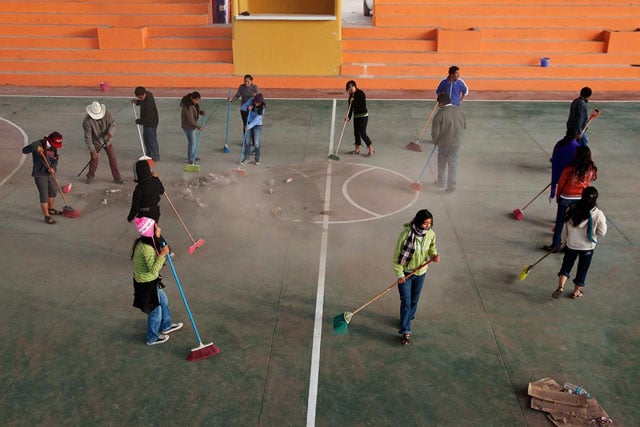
<point>239,172</point>
<point>416,186</point>
<point>525,272</point>
<point>69,212</point>
<point>149,160</point>
<point>195,246</point>
<point>517,214</point>
<point>203,351</point>
<point>412,146</point>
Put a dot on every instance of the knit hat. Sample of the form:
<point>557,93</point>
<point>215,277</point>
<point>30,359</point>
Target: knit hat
<point>145,226</point>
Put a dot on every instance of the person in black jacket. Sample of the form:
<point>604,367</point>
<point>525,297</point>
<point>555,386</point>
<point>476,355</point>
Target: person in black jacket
<point>358,108</point>
<point>43,175</point>
<point>147,194</point>
<point>149,121</point>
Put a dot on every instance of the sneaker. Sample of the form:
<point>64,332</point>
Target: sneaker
<point>174,327</point>
<point>89,180</point>
<point>119,181</point>
<point>161,339</point>
<point>244,162</point>
<point>257,162</point>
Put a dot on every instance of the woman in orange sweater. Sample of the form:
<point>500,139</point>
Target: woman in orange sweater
<point>574,179</point>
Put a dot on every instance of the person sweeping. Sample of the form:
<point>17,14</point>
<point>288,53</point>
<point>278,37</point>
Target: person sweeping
<point>584,223</point>
<point>43,175</point>
<point>416,244</point>
<point>149,297</point>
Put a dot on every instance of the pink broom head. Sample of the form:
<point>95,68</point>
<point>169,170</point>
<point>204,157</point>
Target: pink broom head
<point>67,188</point>
<point>517,214</point>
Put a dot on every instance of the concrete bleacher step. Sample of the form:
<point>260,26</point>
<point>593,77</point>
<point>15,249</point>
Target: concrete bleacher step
<point>108,7</point>
<point>48,30</point>
<point>131,20</point>
<point>513,10</point>
<point>188,43</point>
<point>148,56</point>
<point>48,42</point>
<point>114,67</point>
<point>491,3</point>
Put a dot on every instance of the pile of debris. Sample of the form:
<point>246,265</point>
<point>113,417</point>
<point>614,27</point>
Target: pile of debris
<point>564,408</point>
<point>210,180</point>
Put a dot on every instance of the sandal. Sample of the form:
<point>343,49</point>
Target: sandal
<point>354,152</point>
<point>49,220</point>
<point>54,212</point>
<point>406,338</point>
<point>369,154</point>
<point>577,294</point>
<point>557,293</point>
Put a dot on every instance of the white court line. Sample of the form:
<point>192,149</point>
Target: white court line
<point>322,269</point>
<point>23,157</point>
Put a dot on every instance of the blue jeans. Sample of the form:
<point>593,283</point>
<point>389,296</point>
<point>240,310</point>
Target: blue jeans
<point>159,319</point>
<point>191,144</point>
<point>447,162</point>
<point>409,296</point>
<point>563,205</point>
<point>254,133</point>
<point>150,137</point>
<point>584,261</point>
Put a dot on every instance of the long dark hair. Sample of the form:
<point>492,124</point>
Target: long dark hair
<point>187,100</point>
<point>580,211</point>
<point>421,216</point>
<point>582,162</point>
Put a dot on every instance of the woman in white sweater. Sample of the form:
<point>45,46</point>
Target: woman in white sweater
<point>584,223</point>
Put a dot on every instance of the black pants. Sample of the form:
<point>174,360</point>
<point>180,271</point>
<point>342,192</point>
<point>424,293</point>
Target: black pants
<point>360,130</point>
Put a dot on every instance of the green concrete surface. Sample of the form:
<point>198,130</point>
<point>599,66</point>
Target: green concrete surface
<point>73,350</point>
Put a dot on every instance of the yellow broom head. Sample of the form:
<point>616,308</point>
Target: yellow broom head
<point>525,272</point>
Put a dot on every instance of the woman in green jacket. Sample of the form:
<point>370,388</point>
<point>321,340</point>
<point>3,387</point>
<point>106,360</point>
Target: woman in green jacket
<point>416,244</point>
<point>149,297</point>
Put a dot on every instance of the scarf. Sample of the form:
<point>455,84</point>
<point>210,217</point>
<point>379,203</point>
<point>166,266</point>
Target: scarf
<point>409,245</point>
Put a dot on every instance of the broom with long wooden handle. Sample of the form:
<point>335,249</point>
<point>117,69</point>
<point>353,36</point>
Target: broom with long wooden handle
<point>67,210</point>
<point>196,243</point>
<point>341,321</point>
<point>525,271</point>
<point>416,146</point>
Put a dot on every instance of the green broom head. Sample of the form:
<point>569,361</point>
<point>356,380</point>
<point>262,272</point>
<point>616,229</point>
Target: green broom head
<point>525,272</point>
<point>192,168</point>
<point>341,323</point>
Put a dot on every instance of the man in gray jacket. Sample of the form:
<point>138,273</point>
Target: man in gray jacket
<point>446,131</point>
<point>99,126</point>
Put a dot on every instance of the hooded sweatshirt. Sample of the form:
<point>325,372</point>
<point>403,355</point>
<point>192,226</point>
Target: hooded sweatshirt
<point>577,237</point>
<point>147,193</point>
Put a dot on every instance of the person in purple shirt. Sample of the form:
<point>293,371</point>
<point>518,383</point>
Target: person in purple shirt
<point>453,86</point>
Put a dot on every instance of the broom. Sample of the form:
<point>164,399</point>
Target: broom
<point>202,351</point>
<point>240,170</point>
<point>344,125</point>
<point>67,210</point>
<point>595,113</point>
<point>525,271</point>
<point>226,149</point>
<point>196,244</point>
<point>415,146</point>
<point>192,167</point>
<point>417,186</point>
<point>518,214</point>
<point>341,321</point>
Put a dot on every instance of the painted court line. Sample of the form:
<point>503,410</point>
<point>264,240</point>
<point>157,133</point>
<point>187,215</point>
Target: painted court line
<point>322,269</point>
<point>23,157</point>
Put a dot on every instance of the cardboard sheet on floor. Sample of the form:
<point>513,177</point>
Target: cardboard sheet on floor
<point>562,408</point>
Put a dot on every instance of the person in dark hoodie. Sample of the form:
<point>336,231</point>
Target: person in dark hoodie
<point>358,109</point>
<point>147,194</point>
<point>149,120</point>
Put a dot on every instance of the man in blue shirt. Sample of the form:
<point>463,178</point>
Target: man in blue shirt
<point>453,86</point>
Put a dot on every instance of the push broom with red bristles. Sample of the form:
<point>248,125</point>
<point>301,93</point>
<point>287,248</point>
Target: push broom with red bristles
<point>595,113</point>
<point>67,210</point>
<point>416,146</point>
<point>202,351</point>
<point>196,243</point>
<point>518,214</point>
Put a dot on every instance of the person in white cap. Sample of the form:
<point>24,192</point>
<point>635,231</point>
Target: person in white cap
<point>99,126</point>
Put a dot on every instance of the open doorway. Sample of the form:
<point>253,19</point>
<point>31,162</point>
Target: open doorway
<point>356,13</point>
